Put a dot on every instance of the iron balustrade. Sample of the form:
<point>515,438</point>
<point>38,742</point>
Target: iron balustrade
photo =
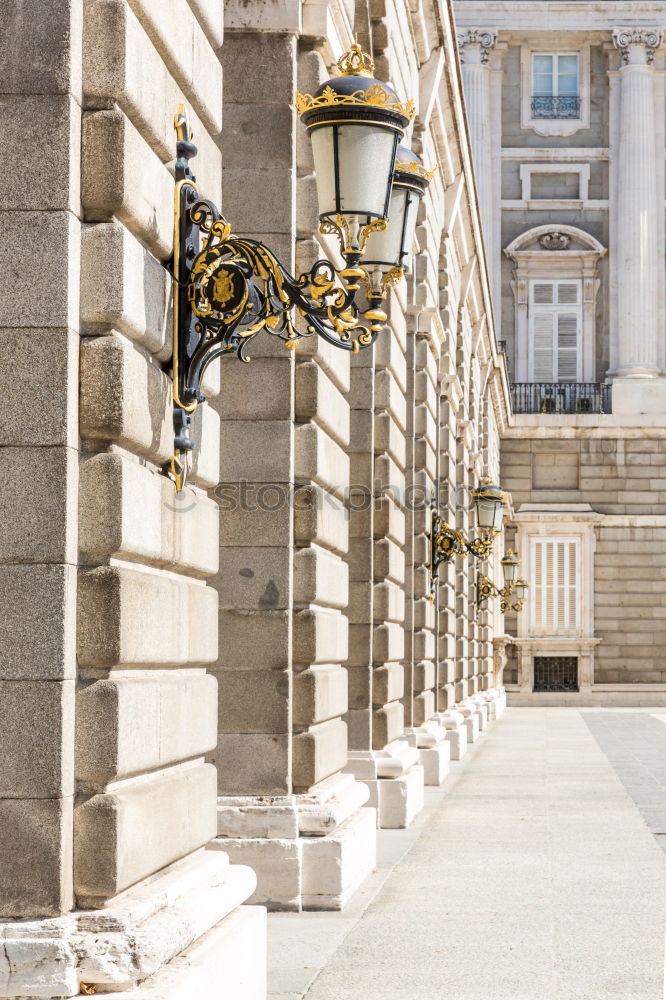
<point>556,107</point>
<point>560,397</point>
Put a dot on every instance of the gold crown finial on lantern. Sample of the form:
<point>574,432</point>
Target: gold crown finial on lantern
<point>356,62</point>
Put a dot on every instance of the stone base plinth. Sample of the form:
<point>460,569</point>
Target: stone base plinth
<point>309,852</point>
<point>636,395</point>
<point>434,751</point>
<point>395,779</point>
<point>456,732</point>
<point>180,934</point>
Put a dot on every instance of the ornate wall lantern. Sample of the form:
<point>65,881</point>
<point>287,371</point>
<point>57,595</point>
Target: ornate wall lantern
<point>513,586</point>
<point>446,542</point>
<point>229,288</point>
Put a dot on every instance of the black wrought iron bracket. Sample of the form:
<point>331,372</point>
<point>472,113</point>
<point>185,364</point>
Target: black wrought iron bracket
<point>228,289</point>
<point>485,589</point>
<point>446,542</point>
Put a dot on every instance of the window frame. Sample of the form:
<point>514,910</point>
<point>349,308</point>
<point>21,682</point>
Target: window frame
<point>556,76</point>
<point>535,309</point>
<point>556,126</point>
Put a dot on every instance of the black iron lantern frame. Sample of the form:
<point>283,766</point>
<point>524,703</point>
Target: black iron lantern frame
<point>228,289</point>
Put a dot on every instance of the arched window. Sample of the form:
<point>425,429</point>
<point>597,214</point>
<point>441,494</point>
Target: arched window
<point>555,289</point>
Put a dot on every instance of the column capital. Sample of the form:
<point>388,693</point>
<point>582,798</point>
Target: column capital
<point>482,40</point>
<point>637,45</point>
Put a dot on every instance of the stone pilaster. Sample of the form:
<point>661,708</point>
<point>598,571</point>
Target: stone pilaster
<point>636,237</point>
<point>284,805</point>
<point>475,45</point>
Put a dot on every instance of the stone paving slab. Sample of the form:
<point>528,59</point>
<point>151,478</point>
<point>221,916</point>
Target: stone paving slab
<point>534,877</point>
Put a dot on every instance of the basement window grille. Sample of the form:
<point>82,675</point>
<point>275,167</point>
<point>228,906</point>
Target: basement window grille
<point>555,673</point>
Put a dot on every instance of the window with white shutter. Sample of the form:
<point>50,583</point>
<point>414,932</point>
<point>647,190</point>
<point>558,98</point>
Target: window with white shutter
<point>555,322</point>
<point>555,597</point>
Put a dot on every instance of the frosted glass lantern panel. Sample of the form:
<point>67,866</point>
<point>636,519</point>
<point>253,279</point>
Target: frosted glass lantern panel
<point>499,517</point>
<point>486,512</point>
<point>365,166</point>
<point>388,246</point>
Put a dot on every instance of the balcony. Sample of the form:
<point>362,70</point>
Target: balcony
<point>560,397</point>
<point>555,107</point>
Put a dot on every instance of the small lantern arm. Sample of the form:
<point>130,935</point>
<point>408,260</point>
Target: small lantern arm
<point>227,289</point>
<point>446,542</point>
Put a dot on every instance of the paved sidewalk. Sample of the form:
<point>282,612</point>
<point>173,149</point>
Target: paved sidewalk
<point>534,877</point>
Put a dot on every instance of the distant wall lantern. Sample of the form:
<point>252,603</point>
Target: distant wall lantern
<point>228,288</point>
<point>446,542</point>
<point>514,592</point>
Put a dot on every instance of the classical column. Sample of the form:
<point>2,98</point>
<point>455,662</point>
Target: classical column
<point>475,45</point>
<point>637,198</point>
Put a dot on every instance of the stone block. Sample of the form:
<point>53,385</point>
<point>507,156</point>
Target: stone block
<point>256,512</point>
<point>258,450</point>
<point>33,414</point>
<point>125,288</point>
<point>125,398</point>
<point>320,578</point>
<point>37,130</point>
<point>320,459</point>
<point>277,864</point>
<point>120,63</point>
<point>389,396</point>
<point>318,398</point>
<point>253,763</point>
<point>36,857</point>
<point>254,640</point>
<point>36,739</point>
<point>400,799</point>
<point>389,602</point>
<point>435,763</point>
<point>254,578</point>
<point>388,642</point>
<point>37,509</point>
<point>457,738</point>
<point>261,391</point>
<point>388,683</point>
<point>264,134</point>
<point>210,15</point>
<point>127,725</point>
<point>388,355</point>
<point>320,693</point>
<point>182,44</point>
<point>320,636</point>
<point>387,724</point>
<point>336,865</point>
<point>271,213</point>
<point>254,701</point>
<point>38,622</point>
<point>319,752</point>
<point>134,618</point>
<point>52,238</point>
<point>389,561</point>
<point>320,517</point>
<point>123,836</point>
<point>128,511</point>
<point>39,57</point>
<point>121,176</point>
<point>390,438</point>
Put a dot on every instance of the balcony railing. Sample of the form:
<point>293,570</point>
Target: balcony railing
<point>556,107</point>
<point>560,397</point>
